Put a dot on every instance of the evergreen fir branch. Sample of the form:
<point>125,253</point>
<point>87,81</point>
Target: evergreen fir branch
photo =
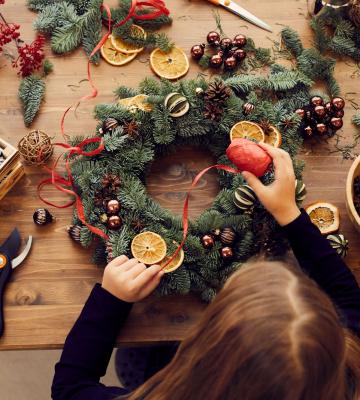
<point>356,119</point>
<point>123,92</point>
<point>31,94</point>
<point>292,41</point>
<point>92,35</point>
<point>48,67</point>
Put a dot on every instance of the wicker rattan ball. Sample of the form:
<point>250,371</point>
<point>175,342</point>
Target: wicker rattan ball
<point>36,147</point>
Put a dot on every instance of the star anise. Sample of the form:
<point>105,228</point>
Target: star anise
<point>287,123</point>
<point>265,125</point>
<point>137,225</point>
<point>131,128</point>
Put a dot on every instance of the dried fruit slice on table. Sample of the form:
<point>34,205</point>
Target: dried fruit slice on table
<point>148,248</point>
<point>247,130</point>
<point>127,48</point>
<point>325,216</point>
<point>113,56</point>
<point>171,65</point>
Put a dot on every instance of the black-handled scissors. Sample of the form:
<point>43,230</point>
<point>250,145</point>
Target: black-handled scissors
<point>9,261</point>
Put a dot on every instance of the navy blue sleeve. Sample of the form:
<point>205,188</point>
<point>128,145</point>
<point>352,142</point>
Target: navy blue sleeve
<point>88,349</point>
<point>321,262</point>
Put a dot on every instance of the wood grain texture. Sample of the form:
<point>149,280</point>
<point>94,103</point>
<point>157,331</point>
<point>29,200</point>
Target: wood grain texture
<point>47,292</point>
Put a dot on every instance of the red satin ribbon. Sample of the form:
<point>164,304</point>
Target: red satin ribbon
<point>185,218</point>
<point>57,180</point>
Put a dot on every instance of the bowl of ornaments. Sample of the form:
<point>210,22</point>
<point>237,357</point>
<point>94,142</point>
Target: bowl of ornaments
<point>353,193</point>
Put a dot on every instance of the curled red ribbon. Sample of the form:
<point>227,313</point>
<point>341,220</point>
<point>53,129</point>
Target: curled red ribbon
<point>57,180</point>
<point>185,218</point>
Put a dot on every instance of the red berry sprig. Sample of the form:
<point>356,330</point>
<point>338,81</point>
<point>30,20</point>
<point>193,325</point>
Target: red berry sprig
<point>31,57</point>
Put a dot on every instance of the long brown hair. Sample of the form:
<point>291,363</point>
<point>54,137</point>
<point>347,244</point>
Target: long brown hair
<point>270,334</point>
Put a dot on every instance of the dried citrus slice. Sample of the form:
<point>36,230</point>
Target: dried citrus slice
<point>113,56</point>
<point>247,130</point>
<point>325,216</point>
<point>273,136</point>
<point>127,48</point>
<point>175,263</point>
<point>138,102</point>
<point>171,65</point>
<point>148,248</point>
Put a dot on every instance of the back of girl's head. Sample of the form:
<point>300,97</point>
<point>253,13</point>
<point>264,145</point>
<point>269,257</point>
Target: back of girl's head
<point>269,334</point>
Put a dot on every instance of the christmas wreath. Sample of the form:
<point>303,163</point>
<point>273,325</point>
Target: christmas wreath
<point>161,117</point>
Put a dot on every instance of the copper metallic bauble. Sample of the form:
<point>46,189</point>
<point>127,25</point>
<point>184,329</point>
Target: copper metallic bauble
<point>213,38</point>
<point>329,108</point>
<point>216,61</point>
<point>112,207</point>
<point>207,241</point>
<point>197,51</point>
<point>320,111</point>
<point>308,131</point>
<point>226,44</point>
<point>74,232</point>
<point>338,113</point>
<point>42,216</point>
<point>226,253</point>
<point>336,123</point>
<point>227,236</point>
<point>230,63</point>
<point>239,40</point>
<point>239,54</point>
<point>316,101</point>
<point>338,103</point>
<point>114,222</point>
<point>300,112</point>
<point>321,128</point>
<point>248,108</point>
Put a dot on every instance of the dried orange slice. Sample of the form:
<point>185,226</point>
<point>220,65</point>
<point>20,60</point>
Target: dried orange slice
<point>273,136</point>
<point>325,216</point>
<point>138,102</point>
<point>113,56</point>
<point>171,65</point>
<point>247,130</point>
<point>127,48</point>
<point>175,263</point>
<point>148,248</point>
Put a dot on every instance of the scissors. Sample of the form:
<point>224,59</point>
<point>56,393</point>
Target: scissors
<point>8,262</point>
<point>240,11</point>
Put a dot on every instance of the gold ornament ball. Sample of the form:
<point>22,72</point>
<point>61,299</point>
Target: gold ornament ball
<point>36,147</point>
<point>113,207</point>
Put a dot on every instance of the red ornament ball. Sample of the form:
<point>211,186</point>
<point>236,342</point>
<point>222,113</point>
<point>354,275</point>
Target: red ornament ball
<point>308,131</point>
<point>239,40</point>
<point>226,253</point>
<point>338,103</point>
<point>197,51</point>
<point>208,241</point>
<point>248,156</point>
<point>114,222</point>
<point>230,63</point>
<point>336,123</point>
<point>338,113</point>
<point>300,112</point>
<point>320,111</point>
<point>329,108</point>
<point>226,44</point>
<point>213,38</point>
<point>316,101</point>
<point>239,54</point>
<point>321,129</point>
<point>215,61</point>
<point>113,207</point>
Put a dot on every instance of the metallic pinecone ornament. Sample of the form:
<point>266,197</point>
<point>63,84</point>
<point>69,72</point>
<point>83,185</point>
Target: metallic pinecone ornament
<point>42,216</point>
<point>74,232</point>
<point>227,236</point>
<point>248,108</point>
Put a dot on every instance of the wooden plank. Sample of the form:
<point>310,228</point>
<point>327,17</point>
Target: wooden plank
<point>47,292</point>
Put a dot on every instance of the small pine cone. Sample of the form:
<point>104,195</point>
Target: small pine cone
<point>111,182</point>
<point>109,251</point>
<point>99,198</point>
<point>213,112</point>
<point>354,12</point>
<point>217,92</point>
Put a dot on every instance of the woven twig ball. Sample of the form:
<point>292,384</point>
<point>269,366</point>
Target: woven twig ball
<point>36,147</point>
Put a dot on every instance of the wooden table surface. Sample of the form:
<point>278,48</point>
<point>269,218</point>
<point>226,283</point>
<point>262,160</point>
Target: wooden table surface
<point>48,291</point>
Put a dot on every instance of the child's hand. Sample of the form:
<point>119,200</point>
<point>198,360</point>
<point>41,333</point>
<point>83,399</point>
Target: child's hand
<point>278,197</point>
<point>129,280</point>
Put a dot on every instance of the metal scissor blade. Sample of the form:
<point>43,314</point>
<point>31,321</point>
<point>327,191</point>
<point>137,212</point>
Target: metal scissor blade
<point>21,257</point>
<point>235,8</point>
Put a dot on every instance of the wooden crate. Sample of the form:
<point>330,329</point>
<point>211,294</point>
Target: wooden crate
<point>11,170</point>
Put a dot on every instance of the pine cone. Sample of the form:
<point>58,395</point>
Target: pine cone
<point>354,12</point>
<point>111,183</point>
<point>213,112</point>
<point>217,92</point>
